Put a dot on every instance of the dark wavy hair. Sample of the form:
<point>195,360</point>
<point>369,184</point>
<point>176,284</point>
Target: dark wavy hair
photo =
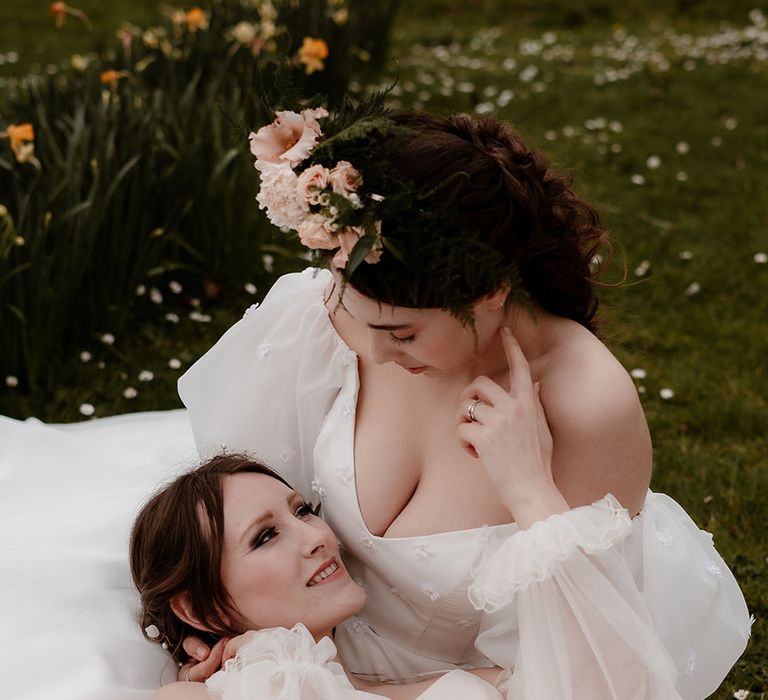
<point>176,547</point>
<point>505,216</point>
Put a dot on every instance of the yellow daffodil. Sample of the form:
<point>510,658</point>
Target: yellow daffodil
<point>196,19</point>
<point>312,54</point>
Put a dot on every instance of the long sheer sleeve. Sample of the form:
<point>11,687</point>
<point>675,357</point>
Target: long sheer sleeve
<point>565,612</point>
<point>268,383</point>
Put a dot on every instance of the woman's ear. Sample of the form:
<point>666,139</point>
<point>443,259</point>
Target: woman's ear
<point>182,608</point>
<point>496,299</point>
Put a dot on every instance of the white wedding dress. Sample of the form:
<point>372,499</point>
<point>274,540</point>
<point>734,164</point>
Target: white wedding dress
<point>585,604</point>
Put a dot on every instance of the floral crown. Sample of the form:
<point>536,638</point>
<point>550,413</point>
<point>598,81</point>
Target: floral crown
<point>327,200</point>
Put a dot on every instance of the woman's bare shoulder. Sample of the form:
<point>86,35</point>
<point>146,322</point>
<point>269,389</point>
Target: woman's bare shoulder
<point>182,691</point>
<point>601,437</point>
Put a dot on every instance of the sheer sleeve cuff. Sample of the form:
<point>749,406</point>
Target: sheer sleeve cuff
<point>533,555</point>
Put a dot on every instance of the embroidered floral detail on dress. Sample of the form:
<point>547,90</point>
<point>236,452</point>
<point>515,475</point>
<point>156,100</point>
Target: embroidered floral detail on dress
<point>465,623</point>
<point>483,534</point>
<point>348,409</point>
<point>708,535</point>
<point>714,570</point>
<point>250,309</point>
<point>665,537</point>
<point>356,624</point>
<point>398,594</point>
<point>430,590</point>
<point>344,475</point>
<point>423,551</point>
<point>690,664</point>
<point>223,446</point>
<point>317,488</point>
<point>367,541</point>
<point>287,455</point>
<point>265,349</point>
<point>362,584</point>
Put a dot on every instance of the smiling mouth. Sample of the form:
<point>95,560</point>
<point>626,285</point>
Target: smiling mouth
<point>328,570</point>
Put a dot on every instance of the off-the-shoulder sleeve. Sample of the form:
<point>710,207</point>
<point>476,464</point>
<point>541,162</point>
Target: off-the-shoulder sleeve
<point>583,631</point>
<point>268,383</point>
<point>282,664</point>
<point>591,604</point>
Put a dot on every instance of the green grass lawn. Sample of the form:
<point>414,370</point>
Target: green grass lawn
<point>663,122</point>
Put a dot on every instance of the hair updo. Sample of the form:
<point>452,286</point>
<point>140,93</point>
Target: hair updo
<point>504,217</point>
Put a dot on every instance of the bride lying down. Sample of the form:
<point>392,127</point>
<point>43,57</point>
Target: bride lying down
<point>230,548</point>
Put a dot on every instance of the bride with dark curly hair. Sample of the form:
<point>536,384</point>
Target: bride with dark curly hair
<point>442,390</point>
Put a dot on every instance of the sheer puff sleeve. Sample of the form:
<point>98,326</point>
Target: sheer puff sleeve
<point>575,606</point>
<point>283,664</point>
<point>268,383</point>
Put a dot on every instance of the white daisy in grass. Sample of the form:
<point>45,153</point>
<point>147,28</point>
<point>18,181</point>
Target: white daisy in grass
<point>107,339</point>
<point>130,393</point>
<point>761,258</point>
<point>146,375</point>
<point>87,409</point>
<point>666,393</point>
<point>638,373</point>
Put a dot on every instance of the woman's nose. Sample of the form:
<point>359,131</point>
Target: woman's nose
<point>379,349</point>
<point>316,537</point>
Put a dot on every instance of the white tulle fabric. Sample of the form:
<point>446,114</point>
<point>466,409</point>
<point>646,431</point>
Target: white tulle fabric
<point>267,385</point>
<point>283,664</point>
<point>583,628</point>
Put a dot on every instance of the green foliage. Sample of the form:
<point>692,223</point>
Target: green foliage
<point>144,169</point>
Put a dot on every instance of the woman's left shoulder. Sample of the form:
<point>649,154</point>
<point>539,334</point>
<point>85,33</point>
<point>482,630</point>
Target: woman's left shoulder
<point>601,437</point>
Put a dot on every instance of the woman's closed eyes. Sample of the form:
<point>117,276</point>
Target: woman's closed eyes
<point>401,341</point>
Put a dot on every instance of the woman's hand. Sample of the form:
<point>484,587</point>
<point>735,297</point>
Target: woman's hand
<point>232,646</point>
<point>511,438</point>
<point>200,671</point>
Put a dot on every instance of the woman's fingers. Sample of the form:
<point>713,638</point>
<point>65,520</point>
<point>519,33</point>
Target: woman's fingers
<point>519,369</point>
<point>234,644</point>
<point>196,648</point>
<point>201,671</point>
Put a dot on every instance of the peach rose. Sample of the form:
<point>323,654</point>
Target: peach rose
<point>345,179</point>
<point>348,238</point>
<point>311,184</point>
<point>314,234</point>
<point>290,138</point>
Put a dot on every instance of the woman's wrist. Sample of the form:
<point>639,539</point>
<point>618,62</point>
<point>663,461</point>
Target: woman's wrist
<point>531,505</point>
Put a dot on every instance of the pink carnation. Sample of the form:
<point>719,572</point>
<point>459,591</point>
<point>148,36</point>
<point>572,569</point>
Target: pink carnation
<point>277,195</point>
<point>288,139</point>
<point>345,179</point>
<point>314,234</point>
<point>311,184</point>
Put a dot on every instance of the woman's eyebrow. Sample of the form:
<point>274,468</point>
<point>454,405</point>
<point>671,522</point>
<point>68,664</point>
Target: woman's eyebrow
<point>269,515</point>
